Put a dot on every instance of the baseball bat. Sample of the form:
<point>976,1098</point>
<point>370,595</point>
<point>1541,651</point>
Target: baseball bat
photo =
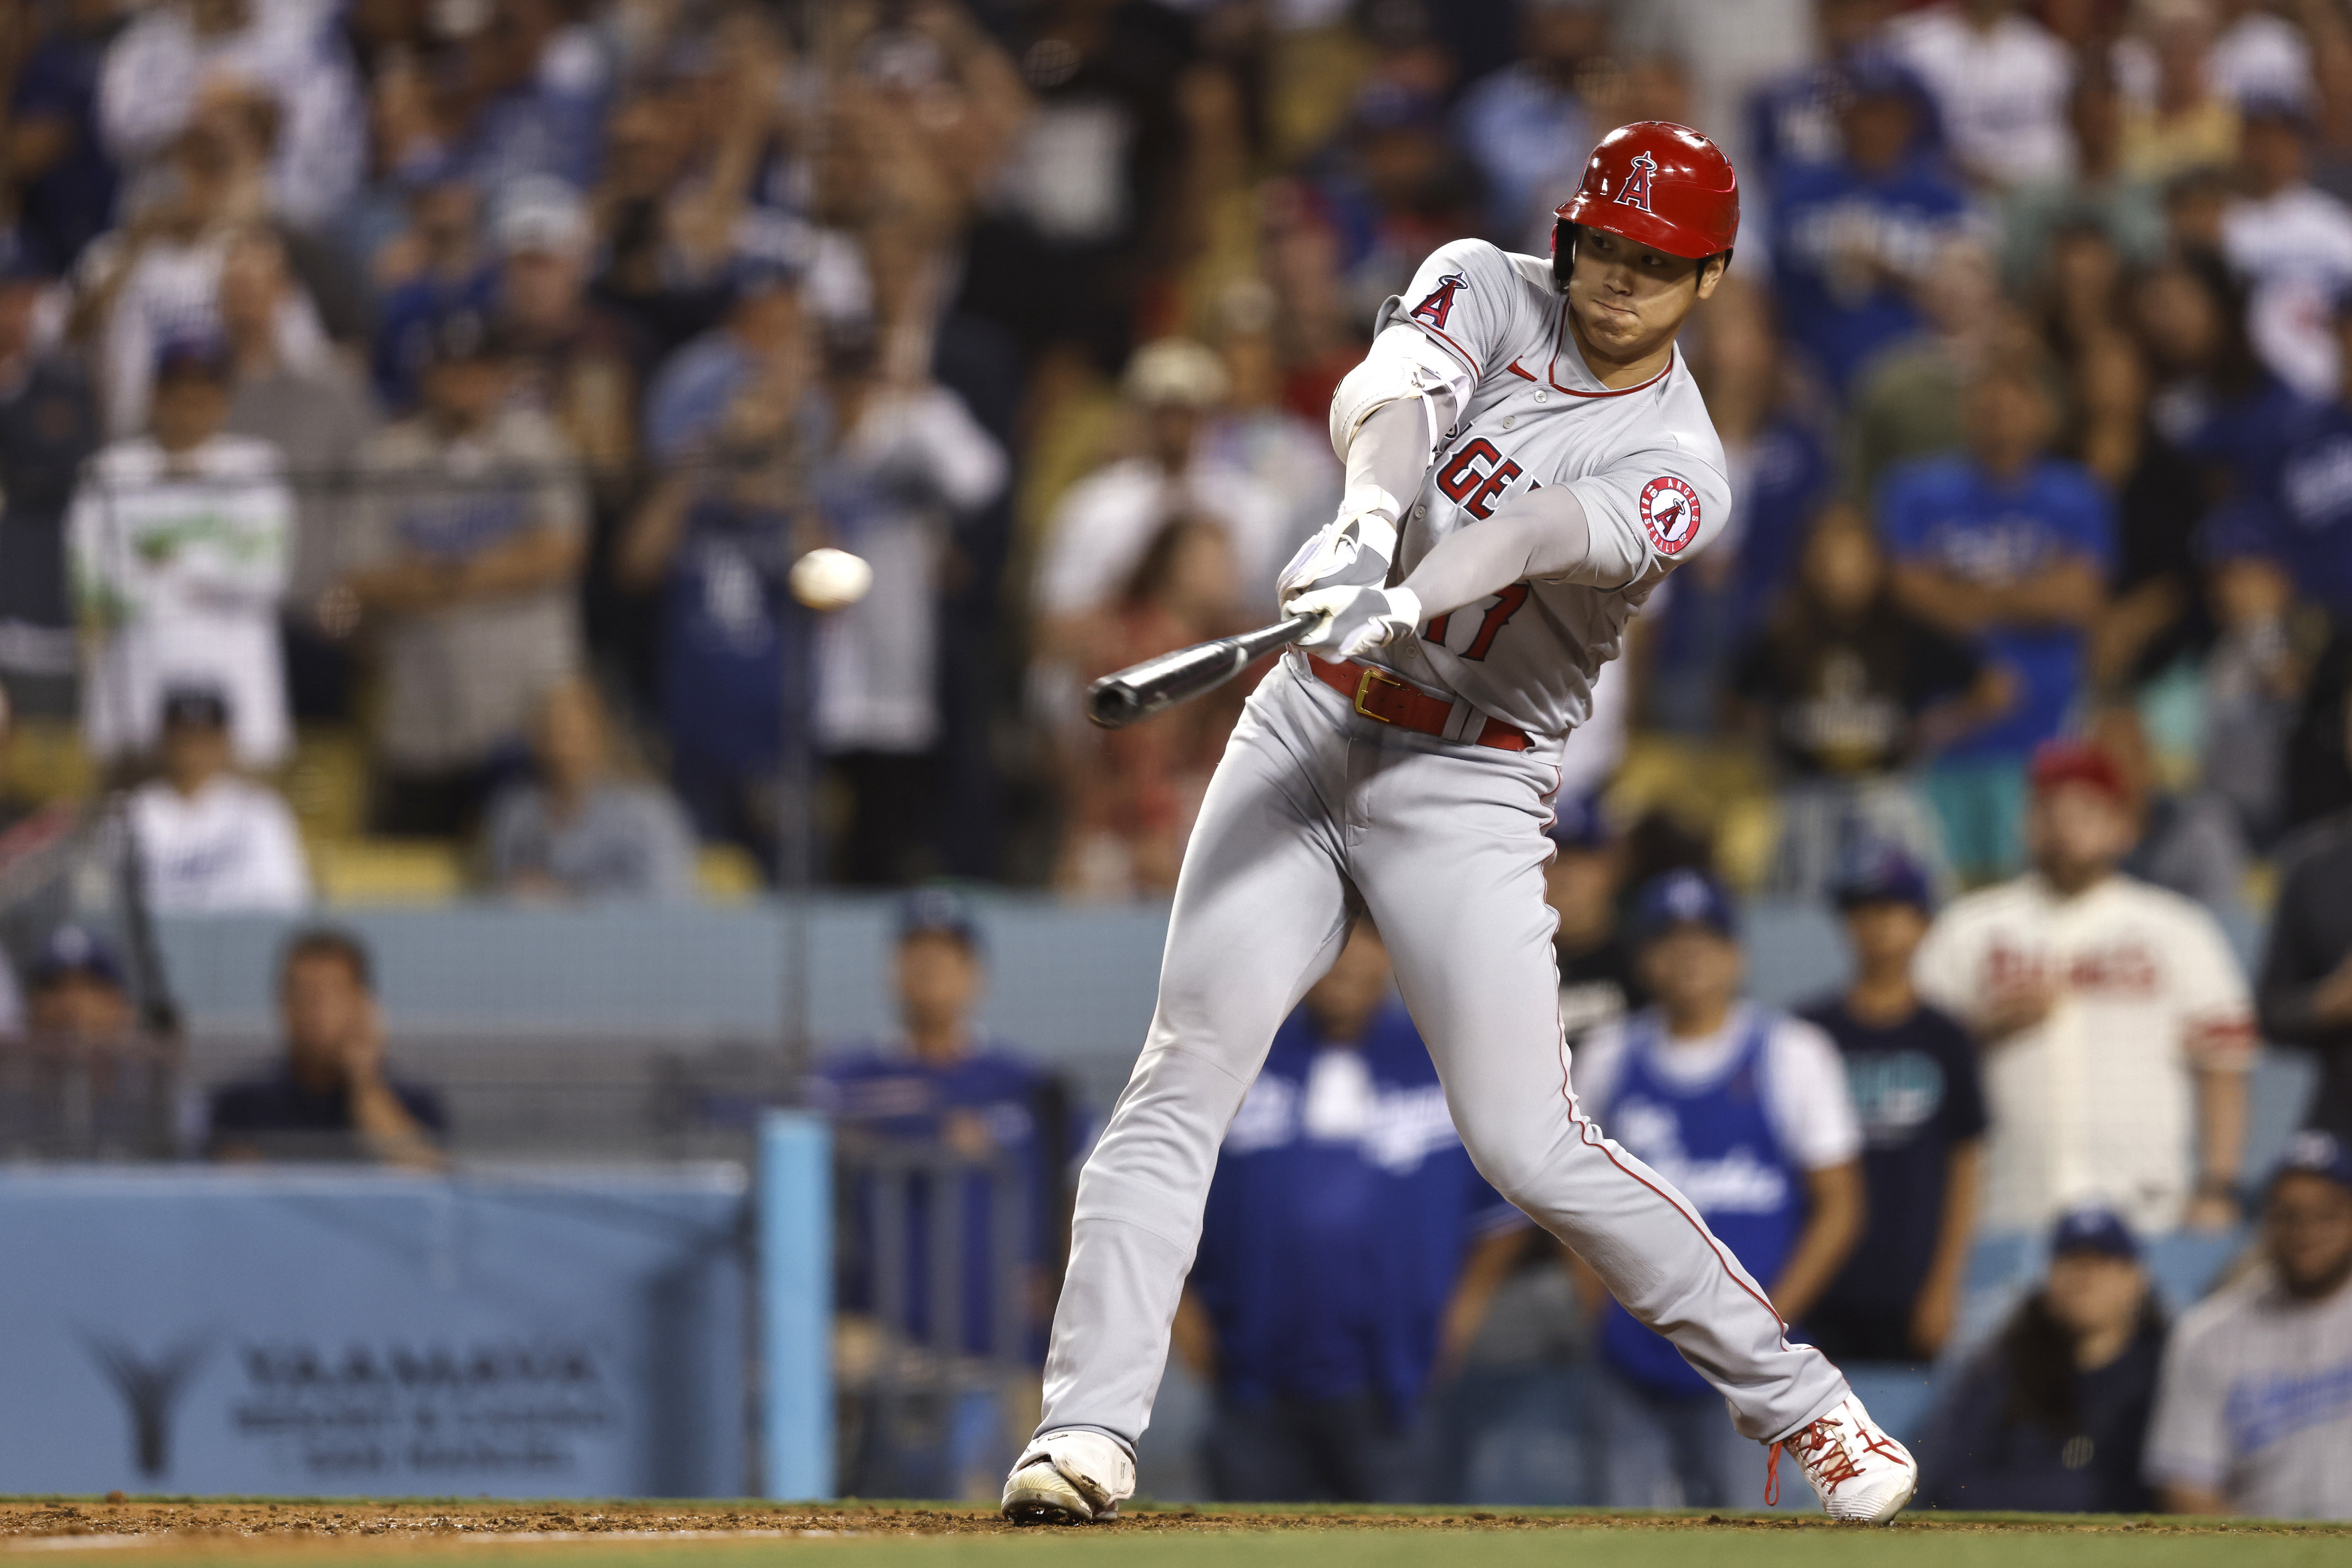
<point>1139,691</point>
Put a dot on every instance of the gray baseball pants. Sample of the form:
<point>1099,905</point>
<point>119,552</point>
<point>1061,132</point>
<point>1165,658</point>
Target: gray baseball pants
<point>1316,815</point>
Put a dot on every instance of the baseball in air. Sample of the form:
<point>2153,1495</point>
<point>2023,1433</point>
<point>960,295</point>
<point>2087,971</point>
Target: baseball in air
<point>829,579</point>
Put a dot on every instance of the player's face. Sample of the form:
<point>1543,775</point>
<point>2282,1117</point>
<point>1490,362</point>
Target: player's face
<point>2307,1227</point>
<point>1629,298</point>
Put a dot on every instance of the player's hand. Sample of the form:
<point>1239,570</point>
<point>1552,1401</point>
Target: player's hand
<point>1353,548</point>
<point>1356,618</point>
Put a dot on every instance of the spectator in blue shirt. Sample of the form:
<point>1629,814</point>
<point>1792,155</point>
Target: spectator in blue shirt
<point>2010,547</point>
<point>64,180</point>
<point>1853,236</point>
<point>945,1085</point>
<point>1793,118</point>
<point>1526,126</point>
<point>1347,1254</point>
<point>1913,1073</point>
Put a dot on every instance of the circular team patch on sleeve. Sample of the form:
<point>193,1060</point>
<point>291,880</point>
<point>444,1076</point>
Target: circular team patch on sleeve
<point>1670,513</point>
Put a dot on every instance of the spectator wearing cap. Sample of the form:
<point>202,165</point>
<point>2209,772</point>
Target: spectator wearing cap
<point>1912,1069</point>
<point>77,991</point>
<point>576,830</point>
<point>2253,1409</point>
<point>2008,548</point>
<point>178,543</point>
<point>1746,1112</point>
<point>1348,1256</point>
<point>2114,1021</point>
<point>1099,531</point>
<point>210,843</point>
<point>2305,991</point>
<point>330,1097</point>
<point>1600,982</point>
<point>2292,242</point>
<point>944,1081</point>
<point>1853,232</point>
<point>48,427</point>
<point>1853,690</point>
<point>573,359</point>
<point>2051,1416</point>
<point>466,553</point>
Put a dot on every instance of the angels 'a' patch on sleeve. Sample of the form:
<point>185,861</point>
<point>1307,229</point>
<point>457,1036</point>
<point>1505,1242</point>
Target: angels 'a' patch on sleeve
<point>1670,513</point>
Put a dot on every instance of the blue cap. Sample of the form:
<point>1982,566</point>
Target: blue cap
<point>1874,72</point>
<point>76,950</point>
<point>1884,875</point>
<point>1683,897</point>
<point>1579,824</point>
<point>938,911</point>
<point>2315,1153</point>
<point>2093,1228</point>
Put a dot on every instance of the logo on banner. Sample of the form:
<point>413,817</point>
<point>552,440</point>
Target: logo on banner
<point>1670,513</point>
<point>150,1390</point>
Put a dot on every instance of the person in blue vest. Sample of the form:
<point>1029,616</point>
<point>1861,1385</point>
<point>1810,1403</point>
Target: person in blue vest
<point>1745,1111</point>
<point>1347,1255</point>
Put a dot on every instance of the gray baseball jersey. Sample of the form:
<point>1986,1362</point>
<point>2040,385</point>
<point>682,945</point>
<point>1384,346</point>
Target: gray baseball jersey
<point>1318,815</point>
<point>1644,462</point>
<point>2255,1402</point>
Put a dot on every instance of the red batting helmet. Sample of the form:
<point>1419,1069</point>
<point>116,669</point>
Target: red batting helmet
<point>1661,183</point>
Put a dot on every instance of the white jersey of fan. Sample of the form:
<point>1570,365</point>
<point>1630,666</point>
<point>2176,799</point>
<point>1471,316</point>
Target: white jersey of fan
<point>1643,460</point>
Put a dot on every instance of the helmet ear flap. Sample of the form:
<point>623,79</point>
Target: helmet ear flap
<point>1563,250</point>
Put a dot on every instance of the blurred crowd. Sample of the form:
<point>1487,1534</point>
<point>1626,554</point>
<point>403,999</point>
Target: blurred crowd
<point>412,413</point>
<point>450,389</point>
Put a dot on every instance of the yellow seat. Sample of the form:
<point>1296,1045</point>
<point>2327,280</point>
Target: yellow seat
<point>727,874</point>
<point>388,870</point>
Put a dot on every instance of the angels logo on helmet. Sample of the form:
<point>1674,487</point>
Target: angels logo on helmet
<point>1670,513</point>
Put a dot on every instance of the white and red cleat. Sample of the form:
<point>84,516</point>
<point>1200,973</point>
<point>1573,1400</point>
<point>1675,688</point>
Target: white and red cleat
<point>1074,1477</point>
<point>1861,1475</point>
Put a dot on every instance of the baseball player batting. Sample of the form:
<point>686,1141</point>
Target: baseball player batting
<point>1527,457</point>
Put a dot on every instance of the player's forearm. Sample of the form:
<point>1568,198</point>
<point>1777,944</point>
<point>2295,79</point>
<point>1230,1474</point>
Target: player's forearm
<point>1543,535</point>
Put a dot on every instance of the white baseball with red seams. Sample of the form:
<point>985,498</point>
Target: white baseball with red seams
<point>1320,813</point>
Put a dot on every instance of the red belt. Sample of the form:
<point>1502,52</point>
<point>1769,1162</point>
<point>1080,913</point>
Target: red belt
<point>1381,695</point>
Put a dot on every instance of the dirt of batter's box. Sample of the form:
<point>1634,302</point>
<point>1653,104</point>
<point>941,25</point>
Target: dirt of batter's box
<point>198,1520</point>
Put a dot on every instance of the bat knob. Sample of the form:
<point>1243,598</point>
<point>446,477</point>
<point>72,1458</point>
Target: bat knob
<point>1112,704</point>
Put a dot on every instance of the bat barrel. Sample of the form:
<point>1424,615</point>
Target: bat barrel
<point>1123,697</point>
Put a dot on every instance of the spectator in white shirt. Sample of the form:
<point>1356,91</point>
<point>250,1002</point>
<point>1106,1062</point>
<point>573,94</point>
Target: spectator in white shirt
<point>2259,54</point>
<point>210,843</point>
<point>2117,1024</point>
<point>2292,243</point>
<point>1098,533</point>
<point>2000,80</point>
<point>2254,1408</point>
<point>178,543</point>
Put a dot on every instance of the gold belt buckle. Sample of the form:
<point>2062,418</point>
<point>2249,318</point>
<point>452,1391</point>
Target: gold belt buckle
<point>1364,686</point>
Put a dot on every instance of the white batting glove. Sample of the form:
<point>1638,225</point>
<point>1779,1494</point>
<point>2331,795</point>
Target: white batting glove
<point>1356,618</point>
<point>1356,545</point>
